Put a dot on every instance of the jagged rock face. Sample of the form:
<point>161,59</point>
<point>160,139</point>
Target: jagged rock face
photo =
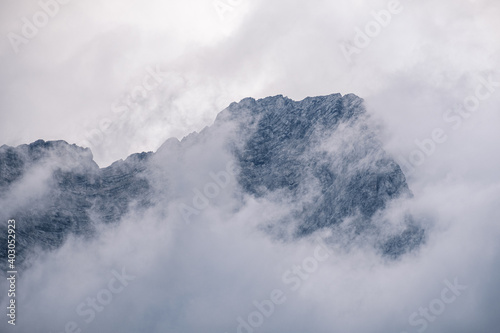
<point>319,154</point>
<point>290,147</point>
<point>324,143</point>
<point>74,193</point>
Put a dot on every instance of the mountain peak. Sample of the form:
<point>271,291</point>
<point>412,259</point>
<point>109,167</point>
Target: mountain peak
<point>317,157</point>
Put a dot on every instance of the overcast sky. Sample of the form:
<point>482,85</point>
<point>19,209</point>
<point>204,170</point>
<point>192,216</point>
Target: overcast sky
<point>64,80</point>
<point>72,80</point>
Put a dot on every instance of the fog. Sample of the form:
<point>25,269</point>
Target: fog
<point>72,80</point>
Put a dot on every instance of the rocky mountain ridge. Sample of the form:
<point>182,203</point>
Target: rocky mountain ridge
<point>319,153</point>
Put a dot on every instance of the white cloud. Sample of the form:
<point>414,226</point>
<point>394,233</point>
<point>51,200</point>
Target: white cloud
<point>203,276</point>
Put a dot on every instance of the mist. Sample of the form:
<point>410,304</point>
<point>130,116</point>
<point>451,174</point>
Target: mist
<point>87,79</point>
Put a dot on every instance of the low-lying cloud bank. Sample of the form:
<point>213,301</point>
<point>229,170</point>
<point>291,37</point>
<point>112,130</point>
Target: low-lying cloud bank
<point>158,274</point>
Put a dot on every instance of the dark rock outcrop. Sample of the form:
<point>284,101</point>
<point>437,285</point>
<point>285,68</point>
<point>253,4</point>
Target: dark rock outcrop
<point>320,154</point>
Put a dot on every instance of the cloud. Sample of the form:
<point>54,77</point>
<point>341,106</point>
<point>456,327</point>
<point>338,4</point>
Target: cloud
<point>82,61</point>
<point>205,275</point>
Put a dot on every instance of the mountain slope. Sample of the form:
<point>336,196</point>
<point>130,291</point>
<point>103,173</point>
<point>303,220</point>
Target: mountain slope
<point>319,156</point>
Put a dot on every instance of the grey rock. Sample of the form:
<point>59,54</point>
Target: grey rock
<point>319,154</point>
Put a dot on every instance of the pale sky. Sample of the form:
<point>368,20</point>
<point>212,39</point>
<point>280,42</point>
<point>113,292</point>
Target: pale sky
<point>64,80</point>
